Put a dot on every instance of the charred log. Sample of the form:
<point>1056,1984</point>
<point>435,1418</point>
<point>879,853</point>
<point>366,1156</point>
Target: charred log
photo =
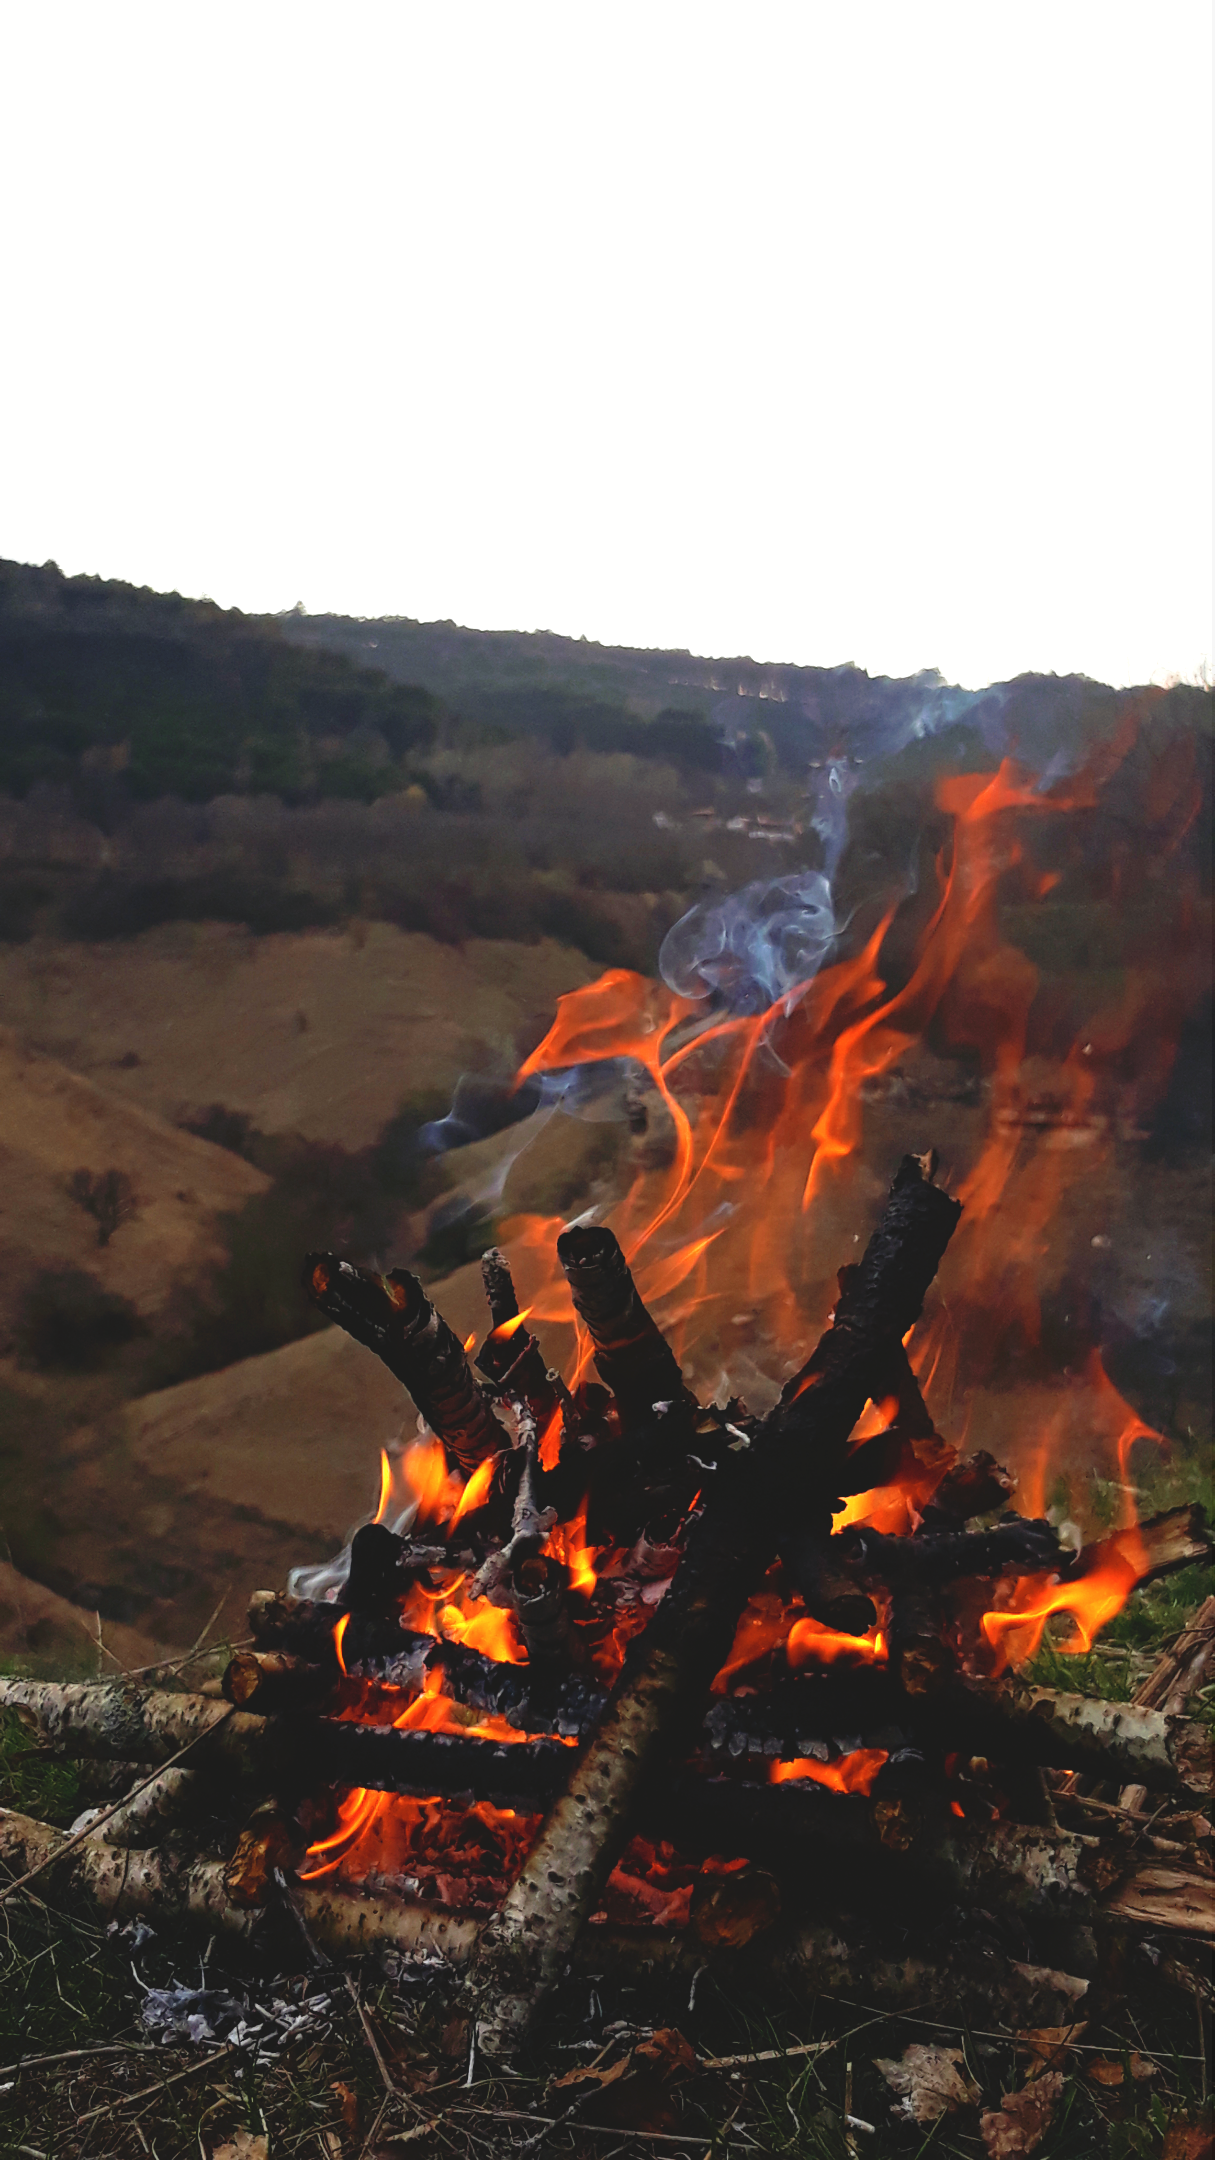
<point>510,1356</point>
<point>930,1558</point>
<point>1176,1538</point>
<point>271,1681</point>
<point>976,1485</point>
<point>392,1315</point>
<point>632,1356</point>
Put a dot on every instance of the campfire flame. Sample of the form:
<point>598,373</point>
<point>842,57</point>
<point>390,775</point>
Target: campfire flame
<point>730,1217</point>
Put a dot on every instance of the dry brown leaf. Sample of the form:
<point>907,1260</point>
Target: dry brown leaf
<point>348,2101</point>
<point>243,2145</point>
<point>1048,2046</point>
<point>633,2093</point>
<point>729,1910</point>
<point>929,2081</point>
<point>590,2074</point>
<point>1023,2118</point>
<point>1189,2141</point>
<point>1111,2070</point>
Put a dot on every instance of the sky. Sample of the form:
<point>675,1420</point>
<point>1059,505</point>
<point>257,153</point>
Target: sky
<point>877,332</point>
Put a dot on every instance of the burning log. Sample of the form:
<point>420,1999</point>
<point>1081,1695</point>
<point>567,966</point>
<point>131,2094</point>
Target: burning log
<point>1040,1876</point>
<point>510,1356</point>
<point>392,1315</point>
<point>632,1356</point>
<point>1011,1722</point>
<point>668,1671</point>
<point>934,1557</point>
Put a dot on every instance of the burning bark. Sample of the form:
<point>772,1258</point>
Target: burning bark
<point>392,1315</point>
<point>632,1357</point>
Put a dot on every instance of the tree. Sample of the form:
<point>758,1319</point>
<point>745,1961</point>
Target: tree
<point>108,1196</point>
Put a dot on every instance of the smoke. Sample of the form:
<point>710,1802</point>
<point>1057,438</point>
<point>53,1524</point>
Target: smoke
<point>753,946</point>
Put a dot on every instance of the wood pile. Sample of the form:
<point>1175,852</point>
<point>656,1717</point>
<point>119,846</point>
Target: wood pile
<point>800,1743</point>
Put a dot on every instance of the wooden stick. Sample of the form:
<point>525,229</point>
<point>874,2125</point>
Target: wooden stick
<point>1177,1673</point>
<point>98,1823</point>
<point>392,1315</point>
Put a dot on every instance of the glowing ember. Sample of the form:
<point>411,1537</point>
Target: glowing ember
<point>811,1643</point>
<point>853,1773</point>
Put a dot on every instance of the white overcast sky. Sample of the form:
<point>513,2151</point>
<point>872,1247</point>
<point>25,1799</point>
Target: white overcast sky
<point>872,330</point>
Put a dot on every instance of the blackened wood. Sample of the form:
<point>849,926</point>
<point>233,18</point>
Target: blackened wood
<point>657,1702</point>
<point>817,1566</point>
<point>632,1356</point>
<point>270,1681</point>
<point>375,1552</point>
<point>1015,1546</point>
<point>510,1356</point>
<point>500,1294</point>
<point>532,1699</point>
<point>976,1485</point>
<point>1176,1538</point>
<point>523,1774</point>
<point>539,1588</point>
<point>392,1315</point>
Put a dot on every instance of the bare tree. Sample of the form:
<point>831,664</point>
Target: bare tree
<point>107,1195</point>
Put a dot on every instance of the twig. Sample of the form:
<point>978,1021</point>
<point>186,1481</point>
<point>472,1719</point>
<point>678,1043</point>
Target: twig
<point>149,2092</point>
<point>370,2038</point>
<point>116,2047</point>
<point>739,2062</point>
<point>90,1829</point>
<point>551,2122</point>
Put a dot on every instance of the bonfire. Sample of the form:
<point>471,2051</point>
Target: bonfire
<point>677,1634</point>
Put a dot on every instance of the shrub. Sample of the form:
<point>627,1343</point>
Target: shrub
<point>68,1323</point>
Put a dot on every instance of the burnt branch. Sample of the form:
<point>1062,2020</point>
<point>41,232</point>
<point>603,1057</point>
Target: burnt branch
<point>392,1315</point>
<point>632,1356</point>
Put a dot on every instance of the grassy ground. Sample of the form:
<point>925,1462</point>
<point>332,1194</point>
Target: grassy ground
<point>92,2085</point>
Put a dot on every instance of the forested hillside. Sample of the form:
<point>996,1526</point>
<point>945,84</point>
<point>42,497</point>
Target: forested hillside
<point>164,759</point>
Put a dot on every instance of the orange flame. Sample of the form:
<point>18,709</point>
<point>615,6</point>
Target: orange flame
<point>338,1634</point>
<point>436,1488</point>
<point>811,1643</point>
<point>853,1773</point>
<point>476,1489</point>
<point>356,1813</point>
<point>507,1328</point>
<point>567,1543</point>
<point>385,1487</point>
<point>1093,1600</point>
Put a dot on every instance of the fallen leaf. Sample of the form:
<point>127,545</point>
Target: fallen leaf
<point>1023,2118</point>
<point>633,2093</point>
<point>1189,2141</point>
<point>1048,2046</point>
<point>1109,2070</point>
<point>243,2145</point>
<point>348,2101</point>
<point>929,2081</point>
<point>667,2052</point>
<point>729,1910</point>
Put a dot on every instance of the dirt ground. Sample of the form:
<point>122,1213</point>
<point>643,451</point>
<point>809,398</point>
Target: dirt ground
<point>321,1033</point>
